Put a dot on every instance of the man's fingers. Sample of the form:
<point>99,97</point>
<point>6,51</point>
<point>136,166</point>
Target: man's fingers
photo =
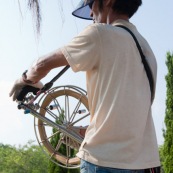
<point>18,85</point>
<point>12,91</point>
<point>15,94</point>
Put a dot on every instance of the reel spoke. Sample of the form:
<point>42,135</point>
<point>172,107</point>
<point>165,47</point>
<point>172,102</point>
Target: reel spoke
<point>75,110</point>
<point>85,116</point>
<point>67,111</point>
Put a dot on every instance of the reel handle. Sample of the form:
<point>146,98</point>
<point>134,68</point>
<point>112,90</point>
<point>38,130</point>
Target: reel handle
<point>25,90</point>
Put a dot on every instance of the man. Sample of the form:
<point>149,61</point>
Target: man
<point>121,136</point>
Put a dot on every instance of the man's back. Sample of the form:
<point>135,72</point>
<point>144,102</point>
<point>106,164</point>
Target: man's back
<point>121,132</point>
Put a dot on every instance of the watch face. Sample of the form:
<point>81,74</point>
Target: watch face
<point>83,9</point>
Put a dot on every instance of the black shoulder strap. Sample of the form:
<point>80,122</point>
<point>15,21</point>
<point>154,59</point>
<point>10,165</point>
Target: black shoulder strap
<point>146,66</point>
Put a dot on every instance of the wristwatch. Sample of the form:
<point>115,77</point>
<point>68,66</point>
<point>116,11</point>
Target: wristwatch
<point>24,77</point>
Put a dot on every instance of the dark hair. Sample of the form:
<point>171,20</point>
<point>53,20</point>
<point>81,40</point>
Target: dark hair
<point>128,7</point>
<point>100,5</point>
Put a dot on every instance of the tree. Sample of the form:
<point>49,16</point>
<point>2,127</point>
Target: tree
<point>168,132</point>
<point>161,157</point>
<point>25,159</point>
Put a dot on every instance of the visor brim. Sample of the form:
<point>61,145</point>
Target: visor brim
<point>83,10</point>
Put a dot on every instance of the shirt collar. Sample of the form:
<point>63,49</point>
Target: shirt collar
<point>124,23</point>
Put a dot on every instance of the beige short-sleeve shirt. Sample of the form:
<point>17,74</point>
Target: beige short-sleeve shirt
<point>121,134</point>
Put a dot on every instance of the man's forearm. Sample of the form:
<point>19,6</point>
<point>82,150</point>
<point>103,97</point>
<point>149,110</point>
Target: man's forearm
<point>44,64</point>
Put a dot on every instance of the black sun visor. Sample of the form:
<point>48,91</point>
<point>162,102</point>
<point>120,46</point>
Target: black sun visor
<point>83,9</point>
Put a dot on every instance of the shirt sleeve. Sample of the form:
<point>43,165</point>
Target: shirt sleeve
<point>83,52</point>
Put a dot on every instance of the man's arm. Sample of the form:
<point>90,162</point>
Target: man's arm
<point>44,64</point>
<point>38,70</point>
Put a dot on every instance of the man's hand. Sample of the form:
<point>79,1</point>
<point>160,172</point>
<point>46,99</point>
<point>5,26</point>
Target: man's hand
<point>18,85</point>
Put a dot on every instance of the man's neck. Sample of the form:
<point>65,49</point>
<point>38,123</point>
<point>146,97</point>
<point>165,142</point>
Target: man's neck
<point>114,16</point>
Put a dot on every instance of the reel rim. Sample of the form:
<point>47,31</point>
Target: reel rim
<point>70,90</point>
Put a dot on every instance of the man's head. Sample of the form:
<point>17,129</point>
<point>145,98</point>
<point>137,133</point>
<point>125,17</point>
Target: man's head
<point>87,8</point>
<point>127,7</point>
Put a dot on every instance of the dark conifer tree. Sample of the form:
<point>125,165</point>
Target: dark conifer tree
<point>168,132</point>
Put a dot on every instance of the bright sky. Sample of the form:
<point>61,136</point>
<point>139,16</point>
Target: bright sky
<point>20,46</point>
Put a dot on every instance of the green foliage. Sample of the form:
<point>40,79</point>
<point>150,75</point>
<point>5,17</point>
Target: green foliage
<point>161,157</point>
<point>24,159</point>
<point>167,151</point>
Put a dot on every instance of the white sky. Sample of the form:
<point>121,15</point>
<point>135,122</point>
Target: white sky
<point>20,46</point>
